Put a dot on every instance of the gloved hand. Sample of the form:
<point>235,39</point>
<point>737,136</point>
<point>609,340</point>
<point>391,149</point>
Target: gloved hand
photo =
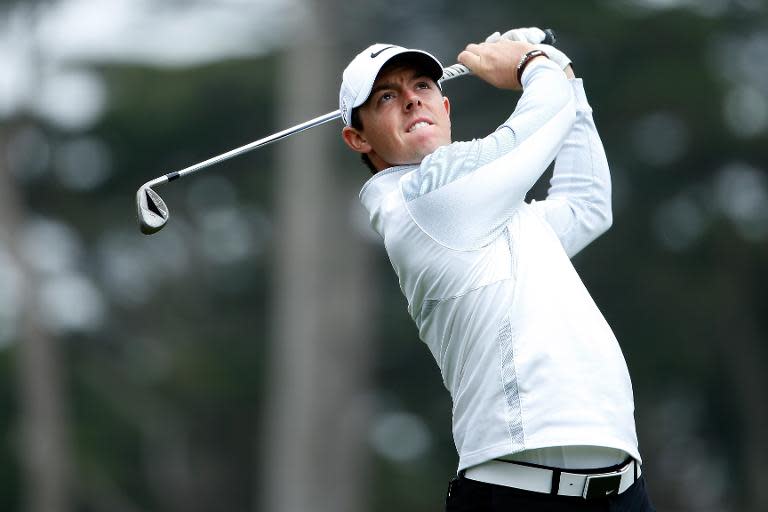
<point>535,36</point>
<point>555,55</point>
<point>531,35</point>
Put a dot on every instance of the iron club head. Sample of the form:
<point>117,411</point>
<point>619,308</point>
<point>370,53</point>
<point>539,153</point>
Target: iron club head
<point>152,211</point>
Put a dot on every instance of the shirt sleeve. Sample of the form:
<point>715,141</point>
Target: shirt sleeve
<point>464,194</point>
<point>578,203</point>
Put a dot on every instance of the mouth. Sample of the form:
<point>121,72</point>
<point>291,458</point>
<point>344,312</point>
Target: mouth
<point>418,124</point>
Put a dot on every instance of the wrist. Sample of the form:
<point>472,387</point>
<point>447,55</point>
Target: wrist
<point>525,60</point>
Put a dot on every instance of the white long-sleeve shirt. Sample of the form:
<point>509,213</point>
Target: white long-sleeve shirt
<point>528,358</point>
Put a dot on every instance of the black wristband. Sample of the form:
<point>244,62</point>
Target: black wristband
<point>527,58</point>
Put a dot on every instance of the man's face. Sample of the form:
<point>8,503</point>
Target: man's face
<point>404,119</point>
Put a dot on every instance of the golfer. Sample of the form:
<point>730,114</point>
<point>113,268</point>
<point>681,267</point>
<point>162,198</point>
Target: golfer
<point>543,412</point>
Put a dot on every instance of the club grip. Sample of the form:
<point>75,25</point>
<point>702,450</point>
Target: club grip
<point>458,70</point>
<point>550,37</point>
<point>454,71</point>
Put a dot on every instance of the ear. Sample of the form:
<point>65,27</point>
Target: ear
<point>355,140</point>
<point>447,105</point>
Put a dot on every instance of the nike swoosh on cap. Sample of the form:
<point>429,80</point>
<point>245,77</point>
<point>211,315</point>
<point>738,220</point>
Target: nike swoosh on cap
<point>376,54</point>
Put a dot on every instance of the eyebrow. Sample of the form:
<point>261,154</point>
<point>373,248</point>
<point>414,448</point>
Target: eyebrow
<point>392,85</point>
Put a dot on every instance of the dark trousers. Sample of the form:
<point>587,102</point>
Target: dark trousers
<point>466,495</point>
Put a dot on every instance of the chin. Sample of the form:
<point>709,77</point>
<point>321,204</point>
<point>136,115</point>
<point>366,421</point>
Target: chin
<point>429,149</point>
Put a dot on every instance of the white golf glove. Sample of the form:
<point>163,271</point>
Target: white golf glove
<point>555,55</point>
<point>535,36</point>
<point>531,35</point>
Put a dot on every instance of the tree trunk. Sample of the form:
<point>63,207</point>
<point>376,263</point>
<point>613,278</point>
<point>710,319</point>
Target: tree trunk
<point>317,411</point>
<point>742,351</point>
<point>44,451</point>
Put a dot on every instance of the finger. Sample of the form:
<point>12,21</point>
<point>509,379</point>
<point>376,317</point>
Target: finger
<point>513,35</point>
<point>473,48</point>
<point>531,35</point>
<point>534,35</point>
<point>469,59</point>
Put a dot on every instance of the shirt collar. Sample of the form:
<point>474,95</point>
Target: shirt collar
<point>382,183</point>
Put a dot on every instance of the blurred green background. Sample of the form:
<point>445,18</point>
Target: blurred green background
<point>257,354</point>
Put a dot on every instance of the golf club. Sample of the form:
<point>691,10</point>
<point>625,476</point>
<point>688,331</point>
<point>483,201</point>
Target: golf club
<point>152,211</point>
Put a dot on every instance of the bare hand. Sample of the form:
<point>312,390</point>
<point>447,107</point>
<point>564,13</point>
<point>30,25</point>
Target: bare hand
<point>496,63</point>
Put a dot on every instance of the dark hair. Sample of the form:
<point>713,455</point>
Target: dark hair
<point>357,124</point>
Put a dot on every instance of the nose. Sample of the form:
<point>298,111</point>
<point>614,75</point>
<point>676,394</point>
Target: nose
<point>412,101</point>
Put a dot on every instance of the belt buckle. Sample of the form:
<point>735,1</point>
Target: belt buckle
<point>602,485</point>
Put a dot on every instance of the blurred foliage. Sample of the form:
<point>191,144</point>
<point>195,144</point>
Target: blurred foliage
<point>172,381</point>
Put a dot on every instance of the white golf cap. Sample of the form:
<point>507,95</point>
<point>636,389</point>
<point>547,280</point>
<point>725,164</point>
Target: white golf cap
<point>357,80</point>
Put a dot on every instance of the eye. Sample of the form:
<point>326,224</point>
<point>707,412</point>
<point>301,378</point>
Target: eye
<point>422,85</point>
<point>385,97</point>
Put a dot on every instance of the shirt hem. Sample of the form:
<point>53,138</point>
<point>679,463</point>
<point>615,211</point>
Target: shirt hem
<point>498,450</point>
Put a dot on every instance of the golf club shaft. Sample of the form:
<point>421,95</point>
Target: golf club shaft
<point>449,73</point>
<point>151,209</point>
